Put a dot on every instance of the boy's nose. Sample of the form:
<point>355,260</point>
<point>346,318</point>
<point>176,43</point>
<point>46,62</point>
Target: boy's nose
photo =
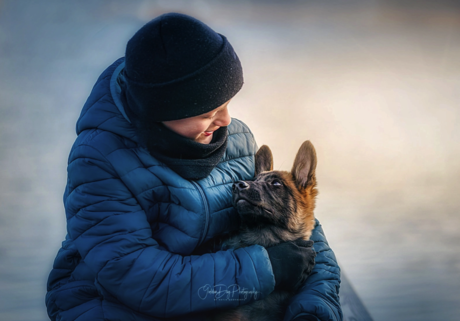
<point>224,118</point>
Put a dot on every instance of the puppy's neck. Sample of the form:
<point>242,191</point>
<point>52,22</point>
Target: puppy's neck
<point>262,234</point>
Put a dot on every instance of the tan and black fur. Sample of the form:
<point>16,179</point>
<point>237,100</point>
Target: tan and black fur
<point>277,206</point>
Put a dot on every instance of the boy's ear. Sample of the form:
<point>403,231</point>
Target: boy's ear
<point>304,166</point>
<point>264,160</point>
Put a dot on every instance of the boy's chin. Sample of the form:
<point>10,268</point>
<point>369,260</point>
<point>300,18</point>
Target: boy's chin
<point>204,139</point>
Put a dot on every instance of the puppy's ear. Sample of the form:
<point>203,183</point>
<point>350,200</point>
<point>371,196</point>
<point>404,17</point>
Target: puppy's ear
<point>264,160</point>
<point>304,166</point>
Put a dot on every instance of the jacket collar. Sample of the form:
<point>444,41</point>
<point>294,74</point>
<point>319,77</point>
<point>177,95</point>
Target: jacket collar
<point>115,90</point>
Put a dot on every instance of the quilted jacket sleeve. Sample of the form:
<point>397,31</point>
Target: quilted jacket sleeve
<point>113,237</point>
<point>319,295</point>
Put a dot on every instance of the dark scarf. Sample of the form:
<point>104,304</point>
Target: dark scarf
<point>190,159</point>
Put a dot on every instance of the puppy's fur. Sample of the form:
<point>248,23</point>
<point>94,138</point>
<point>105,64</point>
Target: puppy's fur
<point>277,206</point>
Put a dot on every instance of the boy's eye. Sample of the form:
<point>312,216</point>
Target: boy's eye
<point>276,183</point>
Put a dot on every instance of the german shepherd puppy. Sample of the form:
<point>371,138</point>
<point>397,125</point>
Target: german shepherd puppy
<point>277,206</point>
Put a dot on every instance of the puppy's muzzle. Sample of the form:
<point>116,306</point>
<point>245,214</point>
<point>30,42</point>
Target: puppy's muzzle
<point>239,186</point>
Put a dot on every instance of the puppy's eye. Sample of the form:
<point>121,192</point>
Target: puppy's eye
<point>276,183</point>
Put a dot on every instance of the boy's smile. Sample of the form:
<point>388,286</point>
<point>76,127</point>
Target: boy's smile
<point>201,128</point>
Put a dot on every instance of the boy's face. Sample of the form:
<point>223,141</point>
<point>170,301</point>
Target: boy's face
<point>201,128</point>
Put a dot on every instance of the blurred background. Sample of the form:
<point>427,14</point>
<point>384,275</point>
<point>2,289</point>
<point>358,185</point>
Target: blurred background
<point>375,85</point>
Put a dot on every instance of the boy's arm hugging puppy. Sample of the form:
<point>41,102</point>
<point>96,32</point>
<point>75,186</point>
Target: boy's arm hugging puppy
<point>150,185</point>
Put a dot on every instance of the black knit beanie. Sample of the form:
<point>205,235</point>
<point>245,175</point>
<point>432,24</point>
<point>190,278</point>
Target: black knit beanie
<point>178,67</point>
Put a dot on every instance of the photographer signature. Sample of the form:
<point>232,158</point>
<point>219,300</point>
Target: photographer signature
<point>226,293</point>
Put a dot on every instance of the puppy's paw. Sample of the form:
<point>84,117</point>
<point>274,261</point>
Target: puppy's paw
<point>309,252</point>
<point>304,243</point>
<point>310,264</point>
<point>309,256</point>
<point>310,261</point>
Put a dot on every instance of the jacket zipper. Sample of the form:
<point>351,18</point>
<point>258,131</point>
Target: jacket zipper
<point>206,209</point>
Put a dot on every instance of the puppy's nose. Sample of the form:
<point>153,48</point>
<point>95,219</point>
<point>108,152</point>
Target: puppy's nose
<point>240,185</point>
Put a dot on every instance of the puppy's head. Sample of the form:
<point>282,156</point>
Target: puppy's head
<point>280,198</point>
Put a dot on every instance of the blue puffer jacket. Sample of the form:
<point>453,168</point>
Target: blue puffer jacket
<point>134,227</point>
